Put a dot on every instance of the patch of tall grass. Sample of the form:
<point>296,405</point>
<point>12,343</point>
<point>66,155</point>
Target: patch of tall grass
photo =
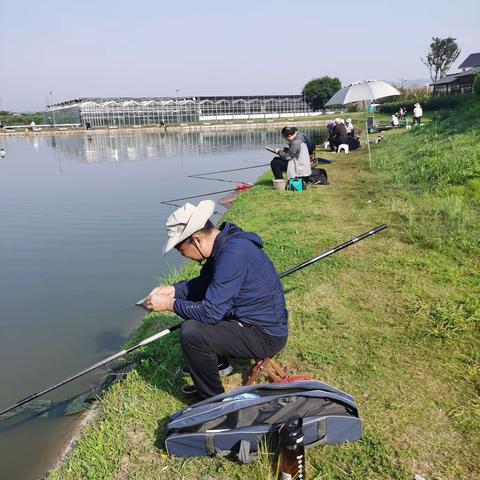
<point>428,104</point>
<point>439,165</point>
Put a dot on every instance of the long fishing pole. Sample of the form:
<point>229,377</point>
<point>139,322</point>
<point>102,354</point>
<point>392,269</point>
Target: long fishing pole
<point>229,170</point>
<point>33,396</point>
<point>169,330</point>
<point>216,179</point>
<point>201,176</point>
<point>196,196</point>
<point>371,232</point>
<point>238,186</point>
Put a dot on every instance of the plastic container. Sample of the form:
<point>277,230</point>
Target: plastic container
<point>279,184</point>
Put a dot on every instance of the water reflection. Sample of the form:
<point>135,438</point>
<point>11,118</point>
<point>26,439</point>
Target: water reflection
<point>109,340</point>
<point>119,147</point>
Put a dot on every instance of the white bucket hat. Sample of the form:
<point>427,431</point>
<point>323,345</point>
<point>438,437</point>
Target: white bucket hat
<point>185,221</point>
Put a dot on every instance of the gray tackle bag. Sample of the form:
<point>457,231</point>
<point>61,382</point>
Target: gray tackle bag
<point>235,422</point>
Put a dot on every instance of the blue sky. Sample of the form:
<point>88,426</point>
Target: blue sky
<point>209,47</point>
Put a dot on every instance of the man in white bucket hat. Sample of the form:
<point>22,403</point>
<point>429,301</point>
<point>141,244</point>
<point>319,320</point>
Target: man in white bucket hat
<point>235,308</point>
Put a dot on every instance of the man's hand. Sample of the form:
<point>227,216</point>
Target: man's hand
<point>161,299</point>
<point>160,303</point>
<point>163,290</point>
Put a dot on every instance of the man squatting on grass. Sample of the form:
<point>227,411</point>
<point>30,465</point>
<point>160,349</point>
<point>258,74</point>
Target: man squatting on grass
<point>235,308</point>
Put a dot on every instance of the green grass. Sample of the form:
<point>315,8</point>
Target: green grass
<point>393,320</point>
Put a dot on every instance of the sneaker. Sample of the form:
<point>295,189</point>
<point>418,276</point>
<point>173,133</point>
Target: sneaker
<point>189,389</point>
<point>224,369</point>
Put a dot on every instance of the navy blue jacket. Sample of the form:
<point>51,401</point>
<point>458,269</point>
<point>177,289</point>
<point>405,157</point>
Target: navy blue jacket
<point>237,282</point>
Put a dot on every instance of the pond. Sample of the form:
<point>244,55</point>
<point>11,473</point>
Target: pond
<point>81,233</point>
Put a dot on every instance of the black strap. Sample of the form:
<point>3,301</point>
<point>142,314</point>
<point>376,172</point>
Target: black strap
<point>321,434</point>
<point>211,449</point>
<point>244,455</point>
<point>210,444</point>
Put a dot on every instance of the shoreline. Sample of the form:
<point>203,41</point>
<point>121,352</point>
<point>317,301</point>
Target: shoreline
<point>173,128</point>
<point>85,419</point>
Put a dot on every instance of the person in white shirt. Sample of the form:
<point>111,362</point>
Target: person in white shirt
<point>394,120</point>
<point>417,114</point>
<point>349,127</point>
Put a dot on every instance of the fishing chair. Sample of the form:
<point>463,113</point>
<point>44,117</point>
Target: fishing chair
<point>266,366</point>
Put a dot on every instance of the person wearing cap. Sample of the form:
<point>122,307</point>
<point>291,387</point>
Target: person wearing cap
<point>235,308</point>
<point>417,114</point>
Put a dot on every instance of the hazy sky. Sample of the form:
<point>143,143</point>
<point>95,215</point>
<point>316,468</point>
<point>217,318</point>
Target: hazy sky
<point>209,47</point>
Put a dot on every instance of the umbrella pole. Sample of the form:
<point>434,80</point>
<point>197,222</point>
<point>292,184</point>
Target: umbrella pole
<point>368,143</point>
<point>366,130</point>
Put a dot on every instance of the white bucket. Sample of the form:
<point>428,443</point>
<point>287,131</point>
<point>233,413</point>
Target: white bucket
<point>279,184</point>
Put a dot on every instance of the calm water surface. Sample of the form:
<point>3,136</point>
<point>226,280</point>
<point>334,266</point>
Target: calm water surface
<point>81,231</point>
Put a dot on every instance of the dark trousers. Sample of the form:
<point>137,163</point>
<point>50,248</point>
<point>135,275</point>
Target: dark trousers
<point>417,120</point>
<point>335,142</point>
<point>278,165</point>
<point>203,344</point>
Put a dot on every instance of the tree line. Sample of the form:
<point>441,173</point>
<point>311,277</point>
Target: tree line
<point>11,118</point>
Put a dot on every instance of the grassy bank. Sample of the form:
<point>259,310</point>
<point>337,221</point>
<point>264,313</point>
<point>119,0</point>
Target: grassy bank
<point>393,320</point>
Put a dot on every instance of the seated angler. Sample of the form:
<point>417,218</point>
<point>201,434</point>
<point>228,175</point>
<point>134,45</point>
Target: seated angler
<point>394,120</point>
<point>293,159</point>
<point>235,308</point>
<point>339,135</point>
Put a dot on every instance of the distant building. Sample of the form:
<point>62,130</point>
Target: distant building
<point>106,112</point>
<point>473,60</point>
<point>460,82</point>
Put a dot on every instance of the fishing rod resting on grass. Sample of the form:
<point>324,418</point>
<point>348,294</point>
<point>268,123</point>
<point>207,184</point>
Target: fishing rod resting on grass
<point>169,330</point>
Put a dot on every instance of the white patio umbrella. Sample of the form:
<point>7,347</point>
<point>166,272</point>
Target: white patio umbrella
<point>366,90</point>
<point>362,92</point>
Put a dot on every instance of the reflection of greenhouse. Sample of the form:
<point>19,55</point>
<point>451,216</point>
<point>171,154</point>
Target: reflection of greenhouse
<point>117,147</point>
<point>101,112</point>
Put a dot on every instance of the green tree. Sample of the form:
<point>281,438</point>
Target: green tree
<point>11,118</point>
<point>443,52</point>
<point>476,84</point>
<point>319,90</point>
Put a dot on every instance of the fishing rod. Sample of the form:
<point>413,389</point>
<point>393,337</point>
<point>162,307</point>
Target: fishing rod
<point>229,170</point>
<point>238,186</point>
<point>371,232</point>
<point>169,330</point>
<point>202,177</point>
<point>216,179</point>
